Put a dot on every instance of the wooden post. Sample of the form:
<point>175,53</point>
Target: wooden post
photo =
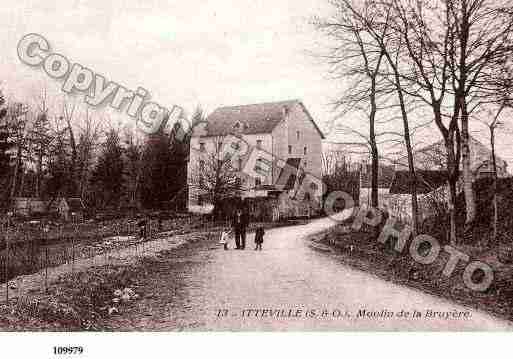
<point>6,264</point>
<point>46,269</point>
<point>73,238</point>
<point>6,261</point>
<point>6,272</point>
<point>45,233</point>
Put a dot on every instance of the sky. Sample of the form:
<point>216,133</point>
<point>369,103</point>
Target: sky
<point>186,53</point>
<point>212,53</point>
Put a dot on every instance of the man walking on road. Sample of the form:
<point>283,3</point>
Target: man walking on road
<point>240,222</point>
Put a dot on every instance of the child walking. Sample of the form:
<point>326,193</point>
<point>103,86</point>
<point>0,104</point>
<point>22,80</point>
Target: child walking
<point>226,235</point>
<point>259,238</point>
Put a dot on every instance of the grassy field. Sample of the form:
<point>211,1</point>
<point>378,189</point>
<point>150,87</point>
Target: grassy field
<point>30,250</point>
<point>85,299</point>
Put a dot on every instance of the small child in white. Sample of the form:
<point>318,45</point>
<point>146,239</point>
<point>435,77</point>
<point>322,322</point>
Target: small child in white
<point>226,235</point>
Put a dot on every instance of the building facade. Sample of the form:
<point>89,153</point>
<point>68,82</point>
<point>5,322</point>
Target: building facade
<point>278,149</point>
<point>433,191</point>
<point>433,157</point>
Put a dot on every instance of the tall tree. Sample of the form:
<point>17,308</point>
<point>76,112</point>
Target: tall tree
<point>19,124</point>
<point>494,124</point>
<point>159,173</point>
<point>134,151</point>
<point>89,133</point>
<point>455,48</point>
<point>483,42</point>
<point>376,20</point>
<point>69,115</point>
<point>5,147</point>
<point>358,59</point>
<point>40,139</point>
<point>56,183</point>
<point>107,177</point>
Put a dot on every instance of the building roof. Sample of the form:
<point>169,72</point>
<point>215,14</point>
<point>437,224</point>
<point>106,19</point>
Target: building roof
<point>436,154</point>
<point>251,119</point>
<point>286,178</point>
<point>427,181</point>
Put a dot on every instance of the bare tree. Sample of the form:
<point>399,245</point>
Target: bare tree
<point>5,155</point>
<point>380,25</point>
<point>89,133</point>
<point>335,159</point>
<point>454,48</point>
<point>41,138</point>
<point>19,124</point>
<point>214,178</point>
<point>59,179</point>
<point>493,126</point>
<point>483,35</point>
<point>378,30</point>
<point>340,173</point>
<point>360,59</point>
<point>134,151</point>
<point>68,115</point>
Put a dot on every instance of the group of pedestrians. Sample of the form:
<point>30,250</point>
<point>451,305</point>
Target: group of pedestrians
<point>239,226</point>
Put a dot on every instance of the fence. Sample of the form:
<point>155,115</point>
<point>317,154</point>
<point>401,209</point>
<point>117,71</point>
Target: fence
<point>32,255</point>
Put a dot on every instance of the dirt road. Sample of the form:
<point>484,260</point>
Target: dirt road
<point>287,286</point>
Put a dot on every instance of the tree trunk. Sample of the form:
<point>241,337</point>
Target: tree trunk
<point>374,177</point>
<point>39,174</point>
<point>413,181</point>
<point>463,36</point>
<point>451,134</point>
<point>411,164</point>
<point>15,175</point>
<point>373,145</point>
<point>495,178</point>
<point>72,187</point>
<point>452,211</point>
<point>470,203</point>
<point>22,184</point>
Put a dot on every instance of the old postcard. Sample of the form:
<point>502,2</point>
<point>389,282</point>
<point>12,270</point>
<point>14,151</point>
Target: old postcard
<point>256,165</point>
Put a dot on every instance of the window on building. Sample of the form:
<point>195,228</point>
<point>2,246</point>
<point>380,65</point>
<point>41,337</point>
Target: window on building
<point>262,166</point>
<point>297,135</point>
<point>219,145</point>
<point>258,182</point>
<point>290,149</point>
<point>259,144</point>
<point>304,150</point>
<point>202,165</point>
<point>202,146</point>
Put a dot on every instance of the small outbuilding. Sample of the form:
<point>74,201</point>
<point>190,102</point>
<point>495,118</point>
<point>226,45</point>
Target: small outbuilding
<point>69,208</point>
<point>28,207</point>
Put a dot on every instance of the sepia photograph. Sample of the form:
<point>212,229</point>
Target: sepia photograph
<point>255,166</point>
